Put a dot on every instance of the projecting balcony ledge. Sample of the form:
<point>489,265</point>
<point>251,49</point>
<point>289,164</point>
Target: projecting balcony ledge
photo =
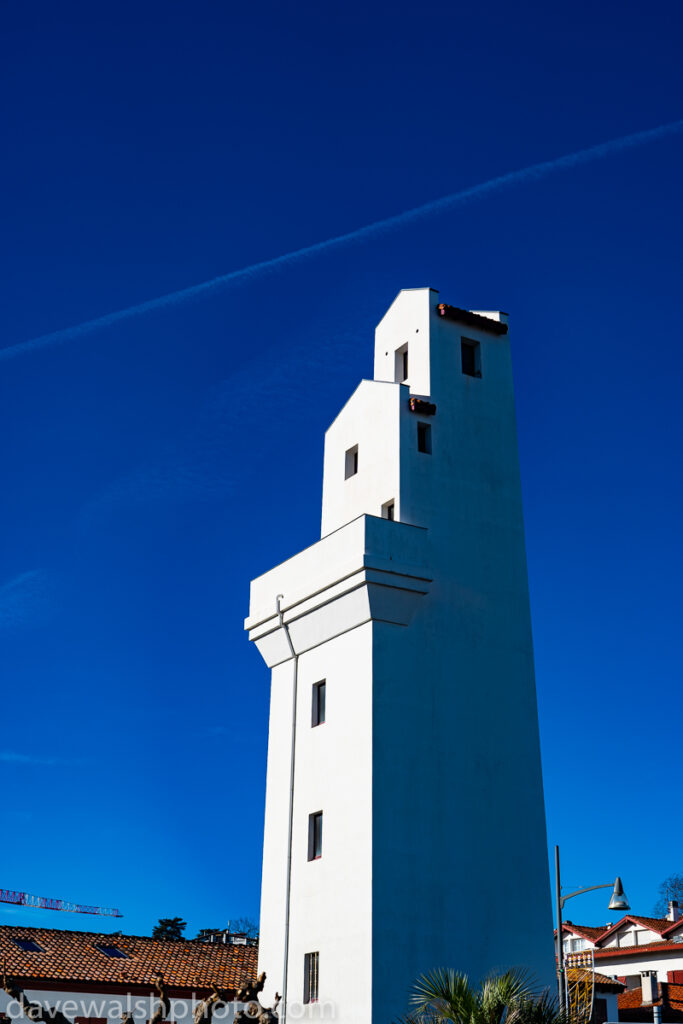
<point>371,568</point>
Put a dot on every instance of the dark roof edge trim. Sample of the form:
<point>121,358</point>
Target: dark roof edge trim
<point>463,316</point>
<point>110,987</point>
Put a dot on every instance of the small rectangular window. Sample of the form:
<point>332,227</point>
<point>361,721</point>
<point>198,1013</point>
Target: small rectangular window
<point>112,951</point>
<point>351,462</point>
<point>388,510</point>
<point>424,438</point>
<point>311,972</point>
<point>315,835</point>
<point>401,364</point>
<point>28,945</point>
<point>318,709</point>
<point>471,359</point>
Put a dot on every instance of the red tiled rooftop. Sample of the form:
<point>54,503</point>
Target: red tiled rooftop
<point>649,947</point>
<point>587,931</point>
<point>661,925</point>
<point>671,999</point>
<point>653,924</point>
<point>72,956</point>
<point>601,980</point>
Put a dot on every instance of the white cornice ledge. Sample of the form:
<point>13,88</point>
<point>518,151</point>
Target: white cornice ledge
<point>370,569</point>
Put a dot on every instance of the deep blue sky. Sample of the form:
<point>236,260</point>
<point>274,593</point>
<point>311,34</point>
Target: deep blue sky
<point>151,469</point>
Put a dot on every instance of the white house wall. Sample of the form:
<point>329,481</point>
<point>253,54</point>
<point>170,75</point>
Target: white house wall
<point>99,1004</point>
<point>662,963</point>
<point>630,935</point>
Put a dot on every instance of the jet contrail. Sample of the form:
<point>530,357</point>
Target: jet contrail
<point>532,173</point>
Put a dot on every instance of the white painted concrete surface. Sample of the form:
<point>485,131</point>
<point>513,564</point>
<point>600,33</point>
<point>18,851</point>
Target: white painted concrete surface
<point>427,769</point>
<point>624,966</point>
<point>99,1004</point>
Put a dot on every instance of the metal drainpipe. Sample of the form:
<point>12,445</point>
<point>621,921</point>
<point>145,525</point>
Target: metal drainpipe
<point>288,890</point>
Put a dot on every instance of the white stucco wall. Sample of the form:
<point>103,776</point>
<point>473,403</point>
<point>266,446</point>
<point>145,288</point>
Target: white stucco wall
<point>370,419</point>
<point>630,935</point>
<point>428,766</point>
<point>112,1006</point>
<point>331,897</point>
<point>406,322</point>
<point>621,967</point>
<point>459,686</point>
<point>274,872</point>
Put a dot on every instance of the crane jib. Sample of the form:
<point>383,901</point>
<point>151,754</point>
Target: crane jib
<point>25,899</point>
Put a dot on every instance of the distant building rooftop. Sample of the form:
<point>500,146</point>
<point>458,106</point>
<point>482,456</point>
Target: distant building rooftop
<point>632,1008</point>
<point>603,983</point>
<point>125,960</point>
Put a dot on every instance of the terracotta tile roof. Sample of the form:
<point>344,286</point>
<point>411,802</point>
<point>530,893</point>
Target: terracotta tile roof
<point>655,924</point>
<point>671,1000</point>
<point>632,998</point>
<point>601,980</point>
<point>661,925</point>
<point>616,952</point>
<point>72,956</point>
<point>584,930</point>
<point>463,316</point>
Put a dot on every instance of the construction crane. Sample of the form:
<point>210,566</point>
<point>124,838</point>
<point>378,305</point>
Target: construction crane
<point>25,899</point>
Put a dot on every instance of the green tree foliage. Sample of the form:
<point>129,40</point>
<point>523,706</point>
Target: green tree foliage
<point>670,889</point>
<point>447,997</point>
<point>169,928</point>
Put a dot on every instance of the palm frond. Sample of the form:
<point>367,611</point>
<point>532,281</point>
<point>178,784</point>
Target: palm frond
<point>448,996</point>
<point>542,1009</point>
<point>500,995</point>
<point>445,996</point>
<point>414,1018</point>
<point>512,985</point>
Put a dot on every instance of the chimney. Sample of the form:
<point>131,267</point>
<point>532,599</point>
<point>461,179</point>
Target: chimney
<point>674,911</point>
<point>650,987</point>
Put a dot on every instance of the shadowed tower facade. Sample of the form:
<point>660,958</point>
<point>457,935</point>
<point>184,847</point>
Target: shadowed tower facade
<point>405,824</point>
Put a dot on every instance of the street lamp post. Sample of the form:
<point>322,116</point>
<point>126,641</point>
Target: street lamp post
<point>618,901</point>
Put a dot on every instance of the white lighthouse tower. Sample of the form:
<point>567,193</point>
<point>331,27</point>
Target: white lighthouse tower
<point>405,825</point>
